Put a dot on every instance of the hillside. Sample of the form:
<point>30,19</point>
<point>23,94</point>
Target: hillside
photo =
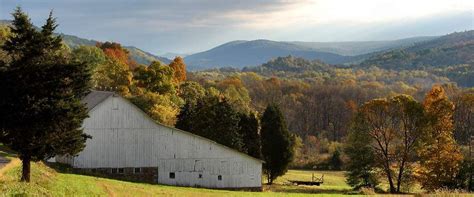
<point>251,53</point>
<point>140,56</point>
<point>53,180</point>
<point>452,49</point>
<point>450,56</point>
<point>363,47</point>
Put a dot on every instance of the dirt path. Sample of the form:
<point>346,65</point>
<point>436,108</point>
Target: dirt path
<point>3,161</point>
<point>109,191</point>
<point>13,163</point>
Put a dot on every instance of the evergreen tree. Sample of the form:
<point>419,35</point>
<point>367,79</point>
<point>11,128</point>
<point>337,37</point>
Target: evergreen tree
<point>249,129</point>
<point>335,161</point>
<point>213,118</point>
<point>40,109</point>
<point>361,164</point>
<point>440,156</point>
<point>277,150</point>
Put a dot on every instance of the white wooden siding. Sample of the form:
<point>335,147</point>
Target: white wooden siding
<point>123,136</point>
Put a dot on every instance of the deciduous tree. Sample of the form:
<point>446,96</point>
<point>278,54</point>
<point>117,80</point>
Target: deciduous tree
<point>440,156</point>
<point>394,127</point>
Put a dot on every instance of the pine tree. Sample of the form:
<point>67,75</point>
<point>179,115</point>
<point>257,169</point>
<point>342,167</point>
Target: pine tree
<point>41,113</point>
<point>249,130</point>
<point>213,118</point>
<point>440,156</point>
<point>335,161</point>
<point>277,150</point>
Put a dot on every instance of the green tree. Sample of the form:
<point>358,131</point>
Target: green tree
<point>156,78</point>
<point>440,156</point>
<point>191,92</point>
<point>249,127</point>
<point>361,166</point>
<point>93,57</point>
<point>335,162</point>
<point>213,118</point>
<point>41,113</point>
<point>163,108</point>
<point>277,150</point>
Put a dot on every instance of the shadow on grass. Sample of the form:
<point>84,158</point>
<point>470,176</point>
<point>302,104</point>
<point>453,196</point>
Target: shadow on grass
<point>304,189</point>
<point>67,169</point>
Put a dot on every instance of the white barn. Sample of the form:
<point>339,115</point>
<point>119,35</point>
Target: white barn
<point>126,143</point>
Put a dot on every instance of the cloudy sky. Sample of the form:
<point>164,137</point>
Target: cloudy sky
<point>187,26</point>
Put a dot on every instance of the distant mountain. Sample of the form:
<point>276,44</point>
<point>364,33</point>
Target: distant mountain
<point>173,55</point>
<point>452,49</point>
<point>251,53</point>
<point>450,56</point>
<point>363,47</point>
<point>140,56</point>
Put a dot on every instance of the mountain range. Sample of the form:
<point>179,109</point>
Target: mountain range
<point>241,54</point>
<point>452,49</point>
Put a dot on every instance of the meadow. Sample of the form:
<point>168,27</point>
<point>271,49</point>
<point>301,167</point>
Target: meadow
<point>48,181</point>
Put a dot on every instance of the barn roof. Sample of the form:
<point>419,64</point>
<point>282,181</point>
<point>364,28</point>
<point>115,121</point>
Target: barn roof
<point>96,97</point>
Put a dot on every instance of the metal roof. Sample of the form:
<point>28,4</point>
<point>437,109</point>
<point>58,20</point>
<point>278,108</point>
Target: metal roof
<point>95,97</point>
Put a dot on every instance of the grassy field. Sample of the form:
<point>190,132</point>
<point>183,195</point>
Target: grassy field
<point>46,181</point>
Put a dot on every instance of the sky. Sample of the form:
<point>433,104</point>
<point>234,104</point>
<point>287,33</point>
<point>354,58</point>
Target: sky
<point>189,26</point>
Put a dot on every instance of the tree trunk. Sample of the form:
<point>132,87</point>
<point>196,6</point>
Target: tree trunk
<point>389,176</point>
<point>400,176</point>
<point>25,174</point>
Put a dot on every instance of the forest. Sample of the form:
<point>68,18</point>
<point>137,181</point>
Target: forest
<point>390,113</point>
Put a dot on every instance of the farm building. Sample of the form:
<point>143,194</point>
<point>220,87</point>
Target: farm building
<point>128,144</point>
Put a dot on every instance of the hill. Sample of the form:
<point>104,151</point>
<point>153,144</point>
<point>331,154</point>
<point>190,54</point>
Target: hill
<point>251,53</point>
<point>140,56</point>
<point>363,47</point>
<point>241,54</point>
<point>452,49</point>
<point>450,56</point>
<point>54,180</point>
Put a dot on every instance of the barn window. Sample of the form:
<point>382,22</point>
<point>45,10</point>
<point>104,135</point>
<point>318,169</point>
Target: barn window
<point>120,170</point>
<point>219,177</point>
<point>172,175</point>
<point>137,170</point>
<point>200,176</point>
<point>114,170</point>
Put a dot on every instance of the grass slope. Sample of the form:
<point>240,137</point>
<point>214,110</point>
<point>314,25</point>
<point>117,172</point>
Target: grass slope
<point>46,181</point>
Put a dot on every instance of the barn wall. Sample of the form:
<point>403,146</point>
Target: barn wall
<point>124,137</point>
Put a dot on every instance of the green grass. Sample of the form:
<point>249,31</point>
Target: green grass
<point>334,182</point>
<point>46,181</point>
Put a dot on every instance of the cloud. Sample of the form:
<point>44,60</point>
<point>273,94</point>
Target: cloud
<point>195,25</point>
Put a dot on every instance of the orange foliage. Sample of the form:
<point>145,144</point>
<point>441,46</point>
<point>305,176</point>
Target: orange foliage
<point>117,52</point>
<point>179,68</point>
